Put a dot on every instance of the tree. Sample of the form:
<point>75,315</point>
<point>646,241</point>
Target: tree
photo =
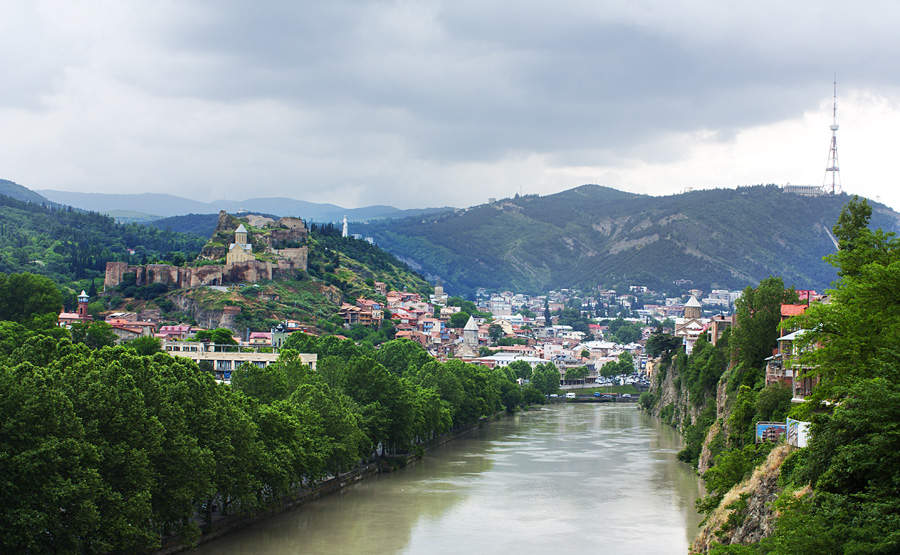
<point>576,373</point>
<point>458,319</point>
<point>93,334</point>
<point>623,332</point>
<point>773,402</point>
<point>24,296</point>
<point>521,369</point>
<point>856,335</point>
<point>610,369</point>
<point>401,356</point>
<point>495,332</point>
<point>546,378</point>
<point>466,306</point>
<point>624,365</point>
<point>758,313</point>
<point>660,343</point>
<point>547,317</point>
<point>218,336</point>
<point>145,345</point>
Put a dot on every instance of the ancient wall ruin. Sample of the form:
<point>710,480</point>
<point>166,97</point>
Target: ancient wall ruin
<point>289,263</point>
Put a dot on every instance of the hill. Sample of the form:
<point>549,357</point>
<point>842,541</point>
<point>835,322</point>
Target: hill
<point>339,270</point>
<point>198,224</point>
<point>73,246</point>
<point>14,190</point>
<point>170,205</point>
<point>594,235</point>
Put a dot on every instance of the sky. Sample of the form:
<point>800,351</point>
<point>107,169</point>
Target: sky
<point>423,103</point>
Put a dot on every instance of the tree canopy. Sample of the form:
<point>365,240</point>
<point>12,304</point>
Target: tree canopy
<point>111,448</point>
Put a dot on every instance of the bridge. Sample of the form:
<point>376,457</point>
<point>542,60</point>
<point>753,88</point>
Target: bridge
<point>604,398</point>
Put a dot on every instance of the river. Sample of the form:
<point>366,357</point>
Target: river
<point>569,478</point>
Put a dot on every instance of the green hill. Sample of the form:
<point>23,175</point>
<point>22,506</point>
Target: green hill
<point>340,270</point>
<point>14,190</point>
<point>69,245</point>
<point>594,235</point>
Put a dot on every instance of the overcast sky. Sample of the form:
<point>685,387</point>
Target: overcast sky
<point>446,103</point>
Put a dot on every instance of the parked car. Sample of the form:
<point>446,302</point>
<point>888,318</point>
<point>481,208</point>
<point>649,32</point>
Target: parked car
<point>570,395</point>
<point>597,394</point>
<point>626,396</point>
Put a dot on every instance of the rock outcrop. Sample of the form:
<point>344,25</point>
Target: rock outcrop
<point>746,513</point>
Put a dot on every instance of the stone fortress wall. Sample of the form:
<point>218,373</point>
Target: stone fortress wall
<point>279,263</point>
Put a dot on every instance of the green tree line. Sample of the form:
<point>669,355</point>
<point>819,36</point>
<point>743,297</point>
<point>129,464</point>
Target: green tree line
<point>111,449</point>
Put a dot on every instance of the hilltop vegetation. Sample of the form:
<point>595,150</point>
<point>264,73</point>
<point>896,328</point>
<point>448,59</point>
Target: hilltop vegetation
<point>14,190</point>
<point>594,235</point>
<point>68,245</point>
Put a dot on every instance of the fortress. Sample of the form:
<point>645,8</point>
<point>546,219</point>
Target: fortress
<point>276,250</point>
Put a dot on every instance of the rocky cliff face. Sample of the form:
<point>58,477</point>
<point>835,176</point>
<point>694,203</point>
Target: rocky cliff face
<point>746,513</point>
<point>718,428</point>
<point>209,318</point>
<point>671,400</point>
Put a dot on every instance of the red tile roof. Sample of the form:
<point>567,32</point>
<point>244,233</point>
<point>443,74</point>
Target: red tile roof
<point>793,309</point>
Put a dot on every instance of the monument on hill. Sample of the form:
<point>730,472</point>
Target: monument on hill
<point>280,252</point>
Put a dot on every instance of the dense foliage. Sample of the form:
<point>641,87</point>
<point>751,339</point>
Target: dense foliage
<point>842,493</point>
<point>111,449</point>
<point>66,244</point>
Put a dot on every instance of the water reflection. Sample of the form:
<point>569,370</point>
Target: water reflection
<point>570,478</point>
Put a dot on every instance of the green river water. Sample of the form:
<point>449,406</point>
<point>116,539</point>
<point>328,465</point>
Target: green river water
<point>570,478</point>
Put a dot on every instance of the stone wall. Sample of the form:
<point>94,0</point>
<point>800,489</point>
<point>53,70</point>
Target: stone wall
<point>249,271</point>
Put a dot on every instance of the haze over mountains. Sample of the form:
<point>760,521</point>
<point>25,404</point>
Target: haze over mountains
<point>150,206</point>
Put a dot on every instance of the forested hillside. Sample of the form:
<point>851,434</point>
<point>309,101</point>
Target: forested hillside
<point>594,235</point>
<point>66,244</point>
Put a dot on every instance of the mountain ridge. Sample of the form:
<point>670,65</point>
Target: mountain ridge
<point>591,235</point>
<point>164,205</point>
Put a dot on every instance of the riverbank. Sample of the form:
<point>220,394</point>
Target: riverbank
<point>231,523</point>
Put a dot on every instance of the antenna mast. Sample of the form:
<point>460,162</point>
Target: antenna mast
<point>832,166</point>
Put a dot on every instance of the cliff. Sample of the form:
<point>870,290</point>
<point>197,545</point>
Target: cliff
<point>746,513</point>
<point>714,419</point>
<point>668,397</point>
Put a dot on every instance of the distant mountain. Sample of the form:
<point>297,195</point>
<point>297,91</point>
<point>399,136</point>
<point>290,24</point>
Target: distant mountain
<point>591,235</point>
<point>169,205</point>
<point>14,190</point>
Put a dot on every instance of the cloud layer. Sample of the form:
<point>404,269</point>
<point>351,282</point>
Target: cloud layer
<point>419,103</point>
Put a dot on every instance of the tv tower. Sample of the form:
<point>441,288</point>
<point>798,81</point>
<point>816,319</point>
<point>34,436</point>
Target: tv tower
<point>832,165</point>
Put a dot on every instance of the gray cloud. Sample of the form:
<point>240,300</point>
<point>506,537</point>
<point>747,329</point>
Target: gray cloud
<point>374,102</point>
